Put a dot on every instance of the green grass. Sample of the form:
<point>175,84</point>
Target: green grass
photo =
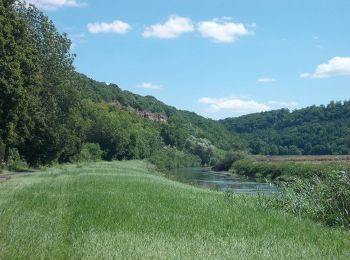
<point>119,210</point>
<point>286,171</point>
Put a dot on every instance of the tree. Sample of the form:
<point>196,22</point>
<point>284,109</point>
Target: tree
<point>58,132</point>
<point>20,76</point>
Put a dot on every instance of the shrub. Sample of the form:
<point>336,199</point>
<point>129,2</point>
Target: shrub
<point>2,153</point>
<point>90,152</point>
<point>230,157</point>
<point>200,147</point>
<point>326,199</point>
<point>14,161</point>
<point>169,158</point>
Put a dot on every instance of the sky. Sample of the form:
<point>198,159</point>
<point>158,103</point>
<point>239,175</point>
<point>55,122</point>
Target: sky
<point>218,58</point>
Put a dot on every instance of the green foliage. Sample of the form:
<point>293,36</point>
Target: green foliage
<point>2,152</point>
<point>230,157</point>
<point>121,134</point>
<point>181,124</point>
<point>19,77</point>
<point>57,136</point>
<point>14,161</point>
<point>90,153</point>
<point>284,171</point>
<point>326,199</point>
<point>200,147</point>
<point>170,158</point>
<point>38,105</point>
<point>316,130</point>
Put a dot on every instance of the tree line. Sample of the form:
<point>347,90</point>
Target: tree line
<point>315,130</point>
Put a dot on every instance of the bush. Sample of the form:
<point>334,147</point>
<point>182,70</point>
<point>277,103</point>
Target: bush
<point>90,152</point>
<point>326,200</point>
<point>230,157</point>
<point>200,147</point>
<point>169,158</point>
<point>2,153</point>
<point>14,161</point>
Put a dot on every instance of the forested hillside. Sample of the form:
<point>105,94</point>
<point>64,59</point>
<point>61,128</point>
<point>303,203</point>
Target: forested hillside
<point>51,113</point>
<point>315,130</point>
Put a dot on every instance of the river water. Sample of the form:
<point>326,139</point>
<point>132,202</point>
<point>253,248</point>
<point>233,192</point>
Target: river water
<point>222,181</point>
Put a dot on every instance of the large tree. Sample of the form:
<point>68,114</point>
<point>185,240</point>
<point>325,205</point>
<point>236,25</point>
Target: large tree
<point>59,131</point>
<point>20,76</point>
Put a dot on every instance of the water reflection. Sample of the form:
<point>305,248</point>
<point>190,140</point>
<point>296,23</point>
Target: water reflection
<point>223,181</point>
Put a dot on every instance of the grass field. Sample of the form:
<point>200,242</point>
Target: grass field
<point>120,210</point>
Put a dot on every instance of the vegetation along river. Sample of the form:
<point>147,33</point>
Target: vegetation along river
<point>222,181</point>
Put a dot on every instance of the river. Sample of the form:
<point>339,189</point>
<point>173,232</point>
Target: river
<point>222,181</point>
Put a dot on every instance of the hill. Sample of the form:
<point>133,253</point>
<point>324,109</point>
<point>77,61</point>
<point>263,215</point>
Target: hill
<point>315,130</point>
<point>51,113</point>
<point>146,105</point>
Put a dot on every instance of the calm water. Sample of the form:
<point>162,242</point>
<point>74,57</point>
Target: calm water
<point>205,177</point>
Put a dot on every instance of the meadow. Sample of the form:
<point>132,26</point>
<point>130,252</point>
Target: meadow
<point>126,210</point>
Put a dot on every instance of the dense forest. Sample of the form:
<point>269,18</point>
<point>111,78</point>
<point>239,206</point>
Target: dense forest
<point>50,113</point>
<point>315,130</point>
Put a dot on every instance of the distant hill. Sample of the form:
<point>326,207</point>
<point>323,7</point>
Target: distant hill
<point>100,91</point>
<point>315,130</point>
<point>190,122</point>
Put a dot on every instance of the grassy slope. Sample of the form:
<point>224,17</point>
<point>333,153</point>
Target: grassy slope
<point>119,210</point>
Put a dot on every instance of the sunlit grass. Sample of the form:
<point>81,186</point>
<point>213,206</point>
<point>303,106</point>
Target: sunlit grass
<point>120,210</point>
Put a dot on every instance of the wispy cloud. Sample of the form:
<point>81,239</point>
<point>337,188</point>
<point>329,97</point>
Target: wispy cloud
<point>223,30</point>
<point>337,66</point>
<point>240,106</point>
<point>118,27</point>
<point>266,80</point>
<point>171,29</point>
<point>233,104</point>
<point>283,104</point>
<point>77,38</point>
<point>149,86</point>
<point>55,4</point>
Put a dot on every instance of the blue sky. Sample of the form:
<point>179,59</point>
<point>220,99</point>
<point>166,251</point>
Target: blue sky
<point>218,58</point>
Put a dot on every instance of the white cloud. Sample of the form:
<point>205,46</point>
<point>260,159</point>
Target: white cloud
<point>233,104</point>
<point>336,66</point>
<point>149,86</point>
<point>173,28</point>
<point>241,106</point>
<point>266,80</point>
<point>283,104</point>
<point>222,30</point>
<point>55,4</point>
<point>117,27</point>
<point>305,75</point>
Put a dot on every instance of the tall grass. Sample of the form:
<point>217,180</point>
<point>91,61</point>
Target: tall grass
<point>326,200</point>
<point>285,171</point>
<point>119,210</point>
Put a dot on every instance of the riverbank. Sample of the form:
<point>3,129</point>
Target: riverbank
<point>122,210</point>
